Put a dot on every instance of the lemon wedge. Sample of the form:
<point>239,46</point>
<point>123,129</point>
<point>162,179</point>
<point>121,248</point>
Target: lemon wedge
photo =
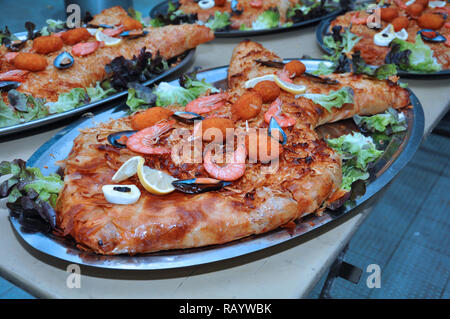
<point>128,169</point>
<point>290,87</point>
<point>155,181</point>
<point>252,82</point>
<point>109,41</point>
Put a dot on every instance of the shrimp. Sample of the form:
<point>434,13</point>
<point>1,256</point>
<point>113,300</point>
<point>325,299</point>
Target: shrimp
<point>85,48</point>
<point>284,76</point>
<point>113,32</point>
<point>232,171</point>
<point>275,111</point>
<point>207,104</point>
<point>144,140</point>
<point>14,75</point>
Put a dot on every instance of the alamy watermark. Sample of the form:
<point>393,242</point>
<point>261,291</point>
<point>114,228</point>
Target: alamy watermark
<point>73,280</point>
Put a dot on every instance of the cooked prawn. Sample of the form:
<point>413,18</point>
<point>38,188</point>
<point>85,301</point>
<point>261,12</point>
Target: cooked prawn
<point>207,104</point>
<point>113,32</point>
<point>85,48</point>
<point>275,111</point>
<point>14,75</point>
<point>232,171</point>
<point>284,76</point>
<point>144,140</point>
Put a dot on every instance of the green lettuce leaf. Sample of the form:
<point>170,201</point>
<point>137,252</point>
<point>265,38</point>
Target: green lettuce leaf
<point>156,22</point>
<point>420,57</point>
<point>68,101</point>
<point>349,40</point>
<point>168,94</point>
<point>219,21</point>
<point>30,178</point>
<point>356,149</point>
<point>140,97</point>
<point>269,19</point>
<point>99,92</point>
<point>324,69</point>
<point>8,116</point>
<point>136,15</point>
<point>391,119</point>
<point>333,99</point>
<point>52,27</point>
<point>351,174</point>
<point>23,108</point>
<point>198,87</point>
<point>31,195</point>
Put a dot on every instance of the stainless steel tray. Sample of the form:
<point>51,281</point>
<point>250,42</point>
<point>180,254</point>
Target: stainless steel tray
<point>322,31</point>
<point>162,7</point>
<point>397,154</point>
<point>7,130</point>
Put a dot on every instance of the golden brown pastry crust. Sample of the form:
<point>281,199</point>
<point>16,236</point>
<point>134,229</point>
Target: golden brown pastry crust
<point>376,55</point>
<point>309,173</point>
<point>170,41</point>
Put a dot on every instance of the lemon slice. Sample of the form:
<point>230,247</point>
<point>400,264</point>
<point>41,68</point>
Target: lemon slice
<point>109,41</point>
<point>252,82</point>
<point>290,87</point>
<point>156,182</point>
<point>128,169</point>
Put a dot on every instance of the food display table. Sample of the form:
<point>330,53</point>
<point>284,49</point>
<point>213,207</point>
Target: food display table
<point>289,270</point>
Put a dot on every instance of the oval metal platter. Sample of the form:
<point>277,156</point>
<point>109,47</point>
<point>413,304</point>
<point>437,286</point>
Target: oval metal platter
<point>162,7</point>
<point>187,58</point>
<point>322,31</point>
<point>397,154</point>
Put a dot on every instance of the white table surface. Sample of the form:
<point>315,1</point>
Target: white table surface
<point>287,271</point>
